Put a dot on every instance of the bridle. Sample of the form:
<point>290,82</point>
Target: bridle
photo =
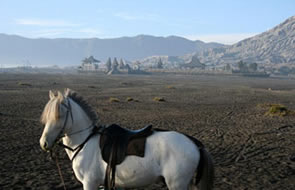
<point>61,135</point>
<point>69,112</point>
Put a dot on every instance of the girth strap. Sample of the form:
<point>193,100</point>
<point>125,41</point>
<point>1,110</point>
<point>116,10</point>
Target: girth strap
<point>116,144</point>
<point>111,169</point>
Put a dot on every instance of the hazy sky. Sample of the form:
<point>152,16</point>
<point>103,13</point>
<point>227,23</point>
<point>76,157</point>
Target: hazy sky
<point>225,21</point>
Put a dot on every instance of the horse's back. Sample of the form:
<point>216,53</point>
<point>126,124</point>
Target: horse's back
<point>173,147</point>
<point>168,154</point>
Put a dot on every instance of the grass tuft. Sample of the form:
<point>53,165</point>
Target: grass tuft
<point>129,99</point>
<point>114,99</point>
<point>159,99</point>
<point>278,110</point>
<point>24,84</point>
<point>170,87</point>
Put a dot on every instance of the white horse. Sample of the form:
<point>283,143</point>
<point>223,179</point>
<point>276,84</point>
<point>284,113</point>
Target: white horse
<point>171,156</point>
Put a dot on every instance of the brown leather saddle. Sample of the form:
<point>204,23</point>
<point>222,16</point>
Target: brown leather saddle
<point>117,143</point>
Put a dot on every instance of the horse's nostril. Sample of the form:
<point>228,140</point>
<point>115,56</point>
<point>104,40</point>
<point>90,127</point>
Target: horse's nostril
<point>45,145</point>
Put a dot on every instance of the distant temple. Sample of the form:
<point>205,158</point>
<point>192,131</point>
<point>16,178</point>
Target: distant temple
<point>122,67</point>
<point>89,64</point>
<point>194,63</point>
<point>114,67</point>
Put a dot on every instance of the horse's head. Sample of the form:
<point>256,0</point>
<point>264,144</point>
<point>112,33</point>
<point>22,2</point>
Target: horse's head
<point>56,116</point>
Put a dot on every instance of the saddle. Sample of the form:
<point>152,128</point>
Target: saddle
<point>117,143</point>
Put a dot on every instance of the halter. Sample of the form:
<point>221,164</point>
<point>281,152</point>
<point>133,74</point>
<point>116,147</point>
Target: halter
<point>95,130</point>
<point>61,133</point>
<point>69,110</point>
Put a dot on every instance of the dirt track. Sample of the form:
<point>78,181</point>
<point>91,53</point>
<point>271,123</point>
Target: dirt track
<point>250,150</point>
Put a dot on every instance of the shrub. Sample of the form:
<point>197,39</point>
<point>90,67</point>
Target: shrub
<point>24,84</point>
<point>278,110</point>
<point>171,87</point>
<point>159,99</point>
<point>114,99</point>
<point>129,99</point>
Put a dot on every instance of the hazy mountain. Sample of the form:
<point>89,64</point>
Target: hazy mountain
<point>274,46</point>
<point>18,50</point>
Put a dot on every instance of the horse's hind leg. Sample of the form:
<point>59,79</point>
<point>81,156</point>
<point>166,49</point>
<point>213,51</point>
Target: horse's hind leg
<point>192,186</point>
<point>178,178</point>
<point>177,186</point>
<point>178,183</point>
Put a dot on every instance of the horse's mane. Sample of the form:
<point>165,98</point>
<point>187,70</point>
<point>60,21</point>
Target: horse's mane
<point>83,104</point>
<point>51,110</point>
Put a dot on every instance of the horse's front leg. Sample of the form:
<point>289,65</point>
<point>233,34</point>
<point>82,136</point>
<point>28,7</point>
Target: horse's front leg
<point>90,185</point>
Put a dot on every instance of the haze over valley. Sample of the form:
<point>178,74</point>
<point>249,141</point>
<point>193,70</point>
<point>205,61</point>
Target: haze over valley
<point>273,47</point>
<point>66,52</point>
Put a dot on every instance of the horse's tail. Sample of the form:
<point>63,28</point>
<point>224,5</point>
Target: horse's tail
<point>205,171</point>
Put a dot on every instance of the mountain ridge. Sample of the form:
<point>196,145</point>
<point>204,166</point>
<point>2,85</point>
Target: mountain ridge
<point>274,46</point>
<point>16,49</point>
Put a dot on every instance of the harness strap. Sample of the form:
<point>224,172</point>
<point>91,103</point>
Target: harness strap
<point>66,147</point>
<point>69,110</point>
<point>96,130</point>
<point>76,132</point>
<point>109,182</point>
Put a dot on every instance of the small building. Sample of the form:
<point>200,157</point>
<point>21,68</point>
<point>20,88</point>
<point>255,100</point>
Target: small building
<point>194,63</point>
<point>89,64</point>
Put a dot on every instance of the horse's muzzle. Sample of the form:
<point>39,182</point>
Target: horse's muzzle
<point>44,145</point>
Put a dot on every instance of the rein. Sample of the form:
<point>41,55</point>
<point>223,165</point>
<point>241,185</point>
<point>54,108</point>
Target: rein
<point>59,137</point>
<point>59,170</point>
<point>95,130</point>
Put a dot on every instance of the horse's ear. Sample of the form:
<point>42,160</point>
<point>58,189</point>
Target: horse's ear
<point>67,92</point>
<point>51,95</point>
<point>59,95</point>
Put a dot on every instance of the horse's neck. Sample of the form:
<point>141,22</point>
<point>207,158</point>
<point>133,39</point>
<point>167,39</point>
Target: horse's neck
<point>79,130</point>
